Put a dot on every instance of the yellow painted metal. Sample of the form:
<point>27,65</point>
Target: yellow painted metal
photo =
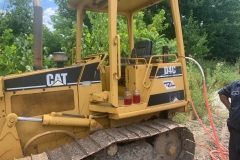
<point>100,66</point>
<point>180,45</point>
<point>130,30</point>
<point>1,88</point>
<point>8,96</point>
<point>80,17</point>
<point>104,97</point>
<point>9,139</point>
<point>117,42</point>
<point>73,49</point>
<point>148,110</point>
<point>106,108</point>
<point>99,97</point>
<point>11,120</point>
<point>112,26</point>
<point>65,121</point>
<point>134,78</point>
<point>124,6</point>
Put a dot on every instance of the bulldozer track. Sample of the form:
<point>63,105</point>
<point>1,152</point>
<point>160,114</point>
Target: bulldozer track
<point>82,148</point>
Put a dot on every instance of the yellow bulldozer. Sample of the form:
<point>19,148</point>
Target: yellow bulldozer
<point>101,104</point>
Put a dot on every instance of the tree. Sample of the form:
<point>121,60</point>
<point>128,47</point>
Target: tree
<point>19,16</point>
<point>220,20</point>
<point>51,41</point>
<point>195,41</point>
<point>15,53</point>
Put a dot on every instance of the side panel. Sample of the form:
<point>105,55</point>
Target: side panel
<point>55,78</point>
<point>163,82</point>
<point>167,84</point>
<point>43,92</point>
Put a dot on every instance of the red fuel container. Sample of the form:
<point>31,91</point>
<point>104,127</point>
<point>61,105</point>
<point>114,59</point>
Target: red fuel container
<point>127,98</point>
<point>136,96</point>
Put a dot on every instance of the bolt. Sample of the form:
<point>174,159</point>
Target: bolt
<point>93,124</point>
<point>11,120</point>
<point>171,149</point>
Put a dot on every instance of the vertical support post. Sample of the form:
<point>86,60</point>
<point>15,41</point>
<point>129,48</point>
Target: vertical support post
<point>180,45</point>
<point>37,46</point>
<point>112,25</point>
<point>130,31</point>
<point>80,15</point>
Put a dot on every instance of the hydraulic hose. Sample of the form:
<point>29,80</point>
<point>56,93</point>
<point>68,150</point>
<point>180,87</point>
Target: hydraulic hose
<point>215,138</point>
<point>212,152</point>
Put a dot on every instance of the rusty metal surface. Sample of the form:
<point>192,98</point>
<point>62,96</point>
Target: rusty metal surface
<point>185,155</point>
<point>116,135</point>
<point>187,138</point>
<point>25,158</point>
<point>37,58</point>
<point>166,123</point>
<point>140,133</point>
<point>74,151</point>
<point>28,105</point>
<point>154,125</point>
<point>42,156</point>
<point>129,134</point>
<point>150,130</point>
<point>102,139</point>
<point>89,145</point>
<point>58,154</point>
<point>99,140</point>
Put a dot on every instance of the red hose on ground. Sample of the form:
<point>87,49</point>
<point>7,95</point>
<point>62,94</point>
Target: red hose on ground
<point>210,119</point>
<point>201,123</point>
<point>212,125</point>
<point>209,115</point>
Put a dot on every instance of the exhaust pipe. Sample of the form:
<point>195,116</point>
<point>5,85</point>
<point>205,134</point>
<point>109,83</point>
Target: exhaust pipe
<point>37,47</point>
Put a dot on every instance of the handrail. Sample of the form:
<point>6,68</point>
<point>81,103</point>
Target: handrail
<point>94,55</point>
<point>136,59</point>
<point>148,65</point>
<point>73,53</point>
<point>104,57</point>
<point>146,86</point>
<point>166,55</point>
<point>118,74</point>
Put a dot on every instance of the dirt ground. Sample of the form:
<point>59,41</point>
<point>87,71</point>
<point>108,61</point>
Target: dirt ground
<point>204,141</point>
<point>220,115</point>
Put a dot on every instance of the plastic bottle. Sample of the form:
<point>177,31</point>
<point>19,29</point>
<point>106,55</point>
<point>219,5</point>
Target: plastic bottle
<point>136,97</point>
<point>127,98</point>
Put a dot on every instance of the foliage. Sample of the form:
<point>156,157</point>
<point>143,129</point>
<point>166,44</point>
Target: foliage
<point>196,88</point>
<point>18,17</point>
<point>219,19</point>
<point>217,74</point>
<point>15,57</point>
<point>194,41</point>
<point>51,41</point>
<point>97,38</point>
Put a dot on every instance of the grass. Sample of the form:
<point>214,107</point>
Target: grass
<point>217,75</point>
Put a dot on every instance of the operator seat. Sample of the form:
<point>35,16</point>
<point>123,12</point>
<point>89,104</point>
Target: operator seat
<point>142,49</point>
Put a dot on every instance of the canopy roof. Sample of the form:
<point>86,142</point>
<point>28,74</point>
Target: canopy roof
<point>124,6</point>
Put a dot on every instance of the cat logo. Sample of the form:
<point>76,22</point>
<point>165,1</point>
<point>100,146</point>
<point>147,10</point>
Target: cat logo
<point>59,79</point>
<point>169,84</point>
<point>175,99</point>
